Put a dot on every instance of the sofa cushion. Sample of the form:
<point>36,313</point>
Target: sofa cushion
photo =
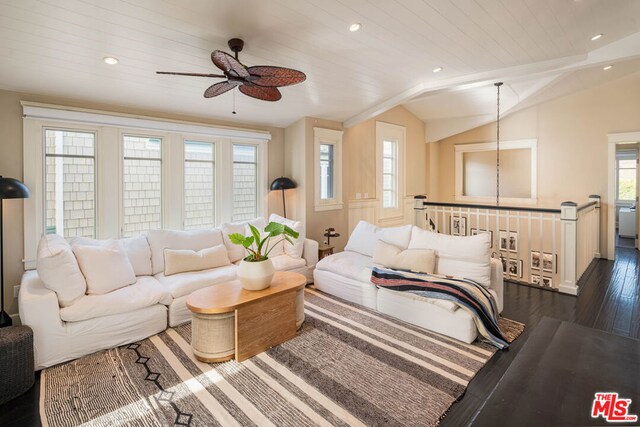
<point>364,237</point>
<point>195,240</point>
<point>293,250</point>
<point>237,252</point>
<point>461,256</point>
<point>182,284</point>
<point>58,269</point>
<point>286,263</point>
<point>105,267</point>
<point>184,260</point>
<point>146,292</point>
<point>352,265</point>
<point>418,260</point>
<point>137,249</point>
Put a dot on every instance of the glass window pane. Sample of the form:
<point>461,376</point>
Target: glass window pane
<point>387,182</point>
<point>199,197</point>
<point>388,148</point>
<point>388,199</point>
<point>627,163</point>
<point>142,185</point>
<point>326,171</point>
<point>245,182</point>
<point>387,165</point>
<point>70,183</point>
<point>627,184</point>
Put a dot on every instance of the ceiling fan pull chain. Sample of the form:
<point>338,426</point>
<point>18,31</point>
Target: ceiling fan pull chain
<point>234,101</point>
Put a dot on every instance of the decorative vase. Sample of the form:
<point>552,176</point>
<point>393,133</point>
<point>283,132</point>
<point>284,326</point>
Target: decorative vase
<point>256,275</point>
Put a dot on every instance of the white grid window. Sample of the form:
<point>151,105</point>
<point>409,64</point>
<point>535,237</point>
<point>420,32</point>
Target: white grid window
<point>142,194</point>
<point>245,182</point>
<point>389,174</point>
<point>199,185</point>
<point>70,195</point>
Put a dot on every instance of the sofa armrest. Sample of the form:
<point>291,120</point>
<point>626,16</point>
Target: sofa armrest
<point>497,281</point>
<point>310,252</point>
<point>38,305</point>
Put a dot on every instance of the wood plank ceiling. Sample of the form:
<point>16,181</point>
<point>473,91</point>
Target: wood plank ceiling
<point>55,47</point>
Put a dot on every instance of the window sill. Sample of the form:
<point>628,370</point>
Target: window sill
<point>328,207</point>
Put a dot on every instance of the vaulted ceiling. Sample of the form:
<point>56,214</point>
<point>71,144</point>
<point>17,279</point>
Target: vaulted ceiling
<point>56,47</point>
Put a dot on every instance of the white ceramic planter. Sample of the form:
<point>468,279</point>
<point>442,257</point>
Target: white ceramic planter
<point>255,276</point>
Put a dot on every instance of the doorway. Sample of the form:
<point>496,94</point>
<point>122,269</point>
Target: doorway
<point>623,173</point>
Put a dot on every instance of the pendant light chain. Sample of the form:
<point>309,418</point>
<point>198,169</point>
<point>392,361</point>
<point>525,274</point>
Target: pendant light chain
<point>497,85</point>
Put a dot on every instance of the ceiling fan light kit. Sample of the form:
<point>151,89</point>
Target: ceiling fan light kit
<point>260,81</point>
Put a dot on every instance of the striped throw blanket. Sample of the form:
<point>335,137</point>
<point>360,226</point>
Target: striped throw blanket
<point>467,294</point>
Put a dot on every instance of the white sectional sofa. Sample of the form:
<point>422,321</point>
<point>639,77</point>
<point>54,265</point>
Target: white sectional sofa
<point>347,275</point>
<point>67,326</point>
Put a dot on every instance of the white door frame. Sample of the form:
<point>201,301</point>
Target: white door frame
<point>614,139</point>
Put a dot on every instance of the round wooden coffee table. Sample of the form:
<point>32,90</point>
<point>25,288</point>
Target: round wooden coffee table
<point>229,321</point>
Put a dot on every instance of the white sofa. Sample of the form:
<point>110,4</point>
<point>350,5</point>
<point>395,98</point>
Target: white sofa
<point>90,323</point>
<point>347,275</point>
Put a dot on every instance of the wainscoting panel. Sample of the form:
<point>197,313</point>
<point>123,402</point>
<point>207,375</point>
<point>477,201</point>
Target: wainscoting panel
<point>367,210</point>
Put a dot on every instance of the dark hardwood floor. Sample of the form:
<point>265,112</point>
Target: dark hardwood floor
<point>609,300</point>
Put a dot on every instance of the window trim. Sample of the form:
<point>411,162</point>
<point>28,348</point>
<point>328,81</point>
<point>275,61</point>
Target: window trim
<point>397,133</point>
<point>322,136</point>
<point>460,149</point>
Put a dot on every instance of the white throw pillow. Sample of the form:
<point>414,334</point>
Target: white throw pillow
<point>137,249</point>
<point>417,260</point>
<point>397,236</point>
<point>195,240</point>
<point>363,239</point>
<point>237,252</point>
<point>184,260</point>
<point>460,256</point>
<point>106,267</point>
<point>293,250</point>
<point>58,269</point>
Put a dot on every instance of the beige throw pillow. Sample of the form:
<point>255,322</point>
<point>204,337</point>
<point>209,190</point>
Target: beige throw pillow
<point>106,267</point>
<point>184,260</point>
<point>417,260</point>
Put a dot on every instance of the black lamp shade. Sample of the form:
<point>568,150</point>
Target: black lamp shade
<point>282,183</point>
<point>11,188</point>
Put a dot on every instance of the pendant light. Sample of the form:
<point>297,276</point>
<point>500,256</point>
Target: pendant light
<point>497,85</point>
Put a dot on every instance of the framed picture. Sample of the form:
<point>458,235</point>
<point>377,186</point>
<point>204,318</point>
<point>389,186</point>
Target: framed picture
<point>547,282</point>
<point>535,279</point>
<point>547,262</point>
<point>538,280</point>
<point>475,231</point>
<point>512,267</point>
<point>458,225</point>
<point>508,241</point>
<point>542,260</point>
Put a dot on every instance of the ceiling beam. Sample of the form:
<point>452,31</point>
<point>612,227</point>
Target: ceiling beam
<point>623,49</point>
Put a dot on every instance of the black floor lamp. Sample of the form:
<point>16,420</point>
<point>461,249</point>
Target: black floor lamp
<point>10,188</point>
<point>283,183</point>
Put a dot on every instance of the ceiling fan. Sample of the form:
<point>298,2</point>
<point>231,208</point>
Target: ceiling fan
<point>260,82</point>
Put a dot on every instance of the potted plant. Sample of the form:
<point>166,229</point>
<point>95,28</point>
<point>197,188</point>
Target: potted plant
<point>256,269</point>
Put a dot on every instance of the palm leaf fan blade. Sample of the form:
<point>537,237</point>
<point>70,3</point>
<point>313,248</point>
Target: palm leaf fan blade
<point>260,92</point>
<point>263,75</point>
<point>219,89</point>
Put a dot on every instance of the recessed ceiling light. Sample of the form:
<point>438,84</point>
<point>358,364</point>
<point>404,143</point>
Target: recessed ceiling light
<point>437,70</point>
<point>355,27</point>
<point>608,67</point>
<point>110,60</point>
<point>596,37</point>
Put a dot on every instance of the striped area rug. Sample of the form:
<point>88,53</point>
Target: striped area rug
<point>347,366</point>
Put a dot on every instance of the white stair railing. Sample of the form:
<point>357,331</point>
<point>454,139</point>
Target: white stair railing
<point>544,247</point>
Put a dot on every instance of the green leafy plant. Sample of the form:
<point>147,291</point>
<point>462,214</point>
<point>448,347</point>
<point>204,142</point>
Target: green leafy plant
<point>257,246</point>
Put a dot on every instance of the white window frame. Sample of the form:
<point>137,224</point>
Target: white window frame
<point>332,137</point>
<point>461,149</point>
<point>109,129</point>
<point>397,134</point>
<point>631,154</point>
